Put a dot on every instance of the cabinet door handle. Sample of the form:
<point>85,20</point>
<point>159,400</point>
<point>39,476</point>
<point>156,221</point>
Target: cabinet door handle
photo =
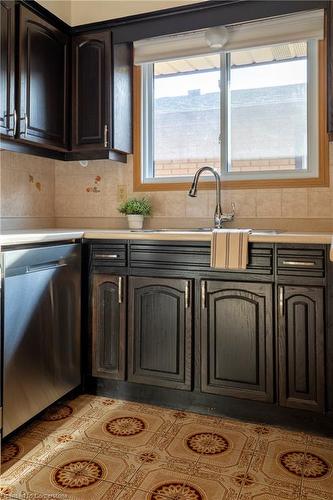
<point>301,263</point>
<point>14,115</point>
<point>25,119</point>
<point>106,136</point>
<point>120,290</point>
<point>203,294</point>
<point>187,295</point>
<point>281,301</point>
<point>106,256</point>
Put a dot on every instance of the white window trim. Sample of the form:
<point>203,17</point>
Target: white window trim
<point>147,128</point>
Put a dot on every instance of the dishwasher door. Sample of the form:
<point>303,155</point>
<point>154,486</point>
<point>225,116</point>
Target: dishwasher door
<point>42,290</point>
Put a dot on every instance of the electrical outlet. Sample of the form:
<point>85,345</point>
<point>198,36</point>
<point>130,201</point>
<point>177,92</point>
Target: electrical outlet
<point>121,193</point>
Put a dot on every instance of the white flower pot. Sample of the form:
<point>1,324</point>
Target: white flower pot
<point>135,221</point>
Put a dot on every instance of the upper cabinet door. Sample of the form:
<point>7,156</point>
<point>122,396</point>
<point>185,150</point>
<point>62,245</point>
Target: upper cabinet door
<point>91,91</point>
<point>237,340</point>
<point>330,69</point>
<point>7,80</point>
<point>43,74</point>
<point>122,139</point>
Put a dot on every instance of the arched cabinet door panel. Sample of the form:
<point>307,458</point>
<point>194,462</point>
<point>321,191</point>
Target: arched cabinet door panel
<point>91,90</point>
<point>109,326</point>
<point>43,76</point>
<point>160,332</point>
<point>7,74</point>
<point>237,340</point>
<point>301,347</point>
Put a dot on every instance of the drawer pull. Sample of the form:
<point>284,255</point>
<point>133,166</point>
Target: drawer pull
<point>203,295</point>
<point>106,256</point>
<point>120,290</point>
<point>187,295</point>
<point>298,263</point>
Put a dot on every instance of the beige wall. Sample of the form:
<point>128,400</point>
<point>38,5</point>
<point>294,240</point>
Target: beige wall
<point>75,12</point>
<point>60,8</point>
<point>76,204</point>
<point>27,191</point>
<point>37,192</point>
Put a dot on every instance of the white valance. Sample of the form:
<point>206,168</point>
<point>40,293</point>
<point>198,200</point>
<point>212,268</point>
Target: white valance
<point>302,26</point>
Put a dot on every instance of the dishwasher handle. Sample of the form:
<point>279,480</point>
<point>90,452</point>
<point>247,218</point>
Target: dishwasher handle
<point>45,267</point>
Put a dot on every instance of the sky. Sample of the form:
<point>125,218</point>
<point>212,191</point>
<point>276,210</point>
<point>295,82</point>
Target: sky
<point>282,73</point>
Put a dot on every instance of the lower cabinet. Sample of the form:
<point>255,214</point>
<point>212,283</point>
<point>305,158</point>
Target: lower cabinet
<point>301,347</point>
<point>160,332</point>
<point>109,326</point>
<point>237,340</point>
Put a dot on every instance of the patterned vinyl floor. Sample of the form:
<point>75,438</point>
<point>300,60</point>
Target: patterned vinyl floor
<point>99,448</point>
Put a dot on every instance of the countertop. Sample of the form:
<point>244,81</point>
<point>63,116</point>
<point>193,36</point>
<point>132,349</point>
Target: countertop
<point>21,237</point>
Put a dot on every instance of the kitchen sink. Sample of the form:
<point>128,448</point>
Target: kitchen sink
<point>199,230</point>
<point>179,230</point>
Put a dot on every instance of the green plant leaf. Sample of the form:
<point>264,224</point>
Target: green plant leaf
<point>136,206</point>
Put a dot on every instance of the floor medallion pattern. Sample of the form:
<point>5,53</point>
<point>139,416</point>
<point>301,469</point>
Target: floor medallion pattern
<point>308,464</point>
<point>207,443</point>
<point>125,426</point>
<point>58,412</point>
<point>9,451</point>
<point>176,491</point>
<point>119,450</point>
<point>78,474</point>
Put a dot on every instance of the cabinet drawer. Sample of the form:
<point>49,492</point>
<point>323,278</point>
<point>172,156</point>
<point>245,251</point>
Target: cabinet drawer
<point>110,255</point>
<point>194,256</point>
<point>301,262</point>
<point>154,255</point>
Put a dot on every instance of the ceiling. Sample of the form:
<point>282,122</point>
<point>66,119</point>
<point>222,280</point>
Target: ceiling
<point>76,12</point>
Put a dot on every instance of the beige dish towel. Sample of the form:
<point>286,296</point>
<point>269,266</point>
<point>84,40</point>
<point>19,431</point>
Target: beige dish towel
<point>229,249</point>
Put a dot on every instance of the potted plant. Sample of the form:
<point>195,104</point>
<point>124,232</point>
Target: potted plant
<point>136,209</point>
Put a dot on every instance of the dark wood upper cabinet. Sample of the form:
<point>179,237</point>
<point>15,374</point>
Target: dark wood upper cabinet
<point>7,72</point>
<point>109,326</point>
<point>160,332</point>
<point>237,340</point>
<point>330,68</point>
<point>101,95</point>
<point>43,81</point>
<point>301,347</point>
<point>122,97</point>
<point>91,91</point>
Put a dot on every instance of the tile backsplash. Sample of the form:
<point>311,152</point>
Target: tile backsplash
<point>37,192</point>
<point>27,191</point>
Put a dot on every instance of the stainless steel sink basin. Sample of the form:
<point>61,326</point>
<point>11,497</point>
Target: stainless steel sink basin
<point>179,230</point>
<point>199,230</point>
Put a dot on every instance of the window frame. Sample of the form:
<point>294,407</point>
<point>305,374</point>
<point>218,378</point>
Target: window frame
<point>234,180</point>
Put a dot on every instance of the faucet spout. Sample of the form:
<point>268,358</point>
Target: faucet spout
<point>218,215</point>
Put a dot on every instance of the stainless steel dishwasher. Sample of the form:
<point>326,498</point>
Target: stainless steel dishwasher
<point>41,329</point>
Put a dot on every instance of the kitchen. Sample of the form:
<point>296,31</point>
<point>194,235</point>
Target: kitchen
<point>166,249</point>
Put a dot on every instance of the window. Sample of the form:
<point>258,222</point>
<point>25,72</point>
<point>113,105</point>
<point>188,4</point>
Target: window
<point>251,114</point>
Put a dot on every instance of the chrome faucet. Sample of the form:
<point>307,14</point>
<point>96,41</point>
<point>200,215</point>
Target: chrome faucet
<point>219,216</point>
